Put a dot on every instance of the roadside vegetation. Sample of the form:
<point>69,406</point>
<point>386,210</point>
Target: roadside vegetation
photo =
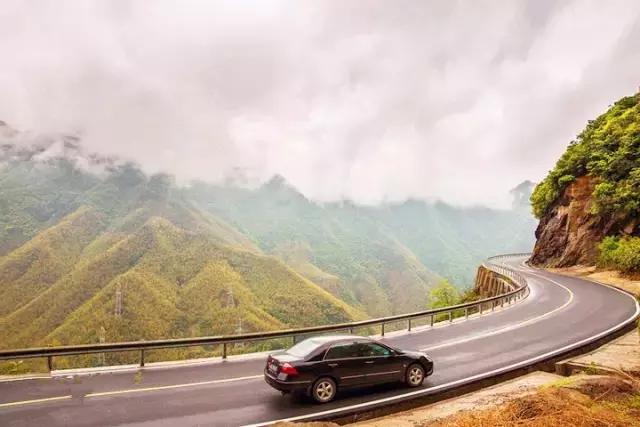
<point>444,294</point>
<point>621,254</point>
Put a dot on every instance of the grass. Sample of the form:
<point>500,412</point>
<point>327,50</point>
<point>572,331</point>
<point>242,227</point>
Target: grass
<point>563,382</point>
<point>574,401</point>
<point>551,407</point>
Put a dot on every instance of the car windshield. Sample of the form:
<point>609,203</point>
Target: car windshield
<point>305,347</point>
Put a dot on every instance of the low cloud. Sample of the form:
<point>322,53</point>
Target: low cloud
<point>369,101</point>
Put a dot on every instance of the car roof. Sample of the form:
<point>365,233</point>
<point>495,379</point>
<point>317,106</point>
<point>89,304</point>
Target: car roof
<point>333,338</point>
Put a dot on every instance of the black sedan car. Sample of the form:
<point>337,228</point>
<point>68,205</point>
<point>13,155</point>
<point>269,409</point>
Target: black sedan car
<point>318,366</point>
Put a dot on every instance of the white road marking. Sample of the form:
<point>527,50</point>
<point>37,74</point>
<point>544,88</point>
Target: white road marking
<point>134,390</point>
<point>510,327</point>
<point>27,402</point>
<point>172,386</point>
<point>39,377</point>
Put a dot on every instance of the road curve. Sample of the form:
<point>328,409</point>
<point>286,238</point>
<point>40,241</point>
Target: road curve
<point>561,313</point>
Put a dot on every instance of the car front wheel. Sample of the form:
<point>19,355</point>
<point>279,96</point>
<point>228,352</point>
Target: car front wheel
<point>415,375</point>
<point>324,390</point>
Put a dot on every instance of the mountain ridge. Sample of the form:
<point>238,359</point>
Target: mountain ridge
<point>96,230</point>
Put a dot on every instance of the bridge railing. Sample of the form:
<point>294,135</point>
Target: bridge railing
<point>518,291</point>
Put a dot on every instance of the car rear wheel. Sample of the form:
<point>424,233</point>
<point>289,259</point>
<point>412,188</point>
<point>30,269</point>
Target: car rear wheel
<point>324,390</point>
<point>415,375</point>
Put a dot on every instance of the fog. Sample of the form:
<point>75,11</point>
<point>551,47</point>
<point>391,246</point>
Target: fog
<point>365,100</point>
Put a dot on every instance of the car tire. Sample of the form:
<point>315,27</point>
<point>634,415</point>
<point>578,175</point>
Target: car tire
<point>414,375</point>
<point>324,390</point>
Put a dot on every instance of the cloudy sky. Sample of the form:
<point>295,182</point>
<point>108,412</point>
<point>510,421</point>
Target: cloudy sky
<point>367,100</point>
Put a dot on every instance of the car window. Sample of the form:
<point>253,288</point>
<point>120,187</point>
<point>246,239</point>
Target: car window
<point>342,350</point>
<point>373,350</point>
<point>304,348</point>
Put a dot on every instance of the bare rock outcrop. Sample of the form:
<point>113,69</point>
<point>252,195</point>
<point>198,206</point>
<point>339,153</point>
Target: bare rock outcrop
<point>569,234</point>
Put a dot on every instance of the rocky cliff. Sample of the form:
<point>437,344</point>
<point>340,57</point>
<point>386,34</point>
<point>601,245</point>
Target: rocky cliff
<point>568,234</point>
<point>593,191</point>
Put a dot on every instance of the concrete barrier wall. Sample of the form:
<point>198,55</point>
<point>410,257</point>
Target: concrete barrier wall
<point>489,284</point>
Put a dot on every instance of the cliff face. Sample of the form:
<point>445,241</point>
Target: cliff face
<point>593,191</point>
<point>568,234</point>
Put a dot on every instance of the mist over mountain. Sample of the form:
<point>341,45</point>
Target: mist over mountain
<point>75,228</point>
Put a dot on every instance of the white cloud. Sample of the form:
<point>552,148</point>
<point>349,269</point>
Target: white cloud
<point>368,100</point>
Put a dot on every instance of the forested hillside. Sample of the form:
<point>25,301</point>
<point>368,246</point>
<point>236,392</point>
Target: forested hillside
<point>74,241</point>
<point>93,248</point>
<point>345,246</point>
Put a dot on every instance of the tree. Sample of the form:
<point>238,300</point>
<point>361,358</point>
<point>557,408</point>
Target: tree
<point>444,294</point>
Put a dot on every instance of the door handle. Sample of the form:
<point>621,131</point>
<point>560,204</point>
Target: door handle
<point>333,365</point>
<point>368,362</point>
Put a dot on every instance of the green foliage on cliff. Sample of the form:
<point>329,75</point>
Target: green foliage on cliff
<point>609,150</point>
<point>620,253</point>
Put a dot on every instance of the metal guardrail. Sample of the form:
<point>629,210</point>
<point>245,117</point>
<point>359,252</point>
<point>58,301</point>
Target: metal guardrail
<point>519,290</point>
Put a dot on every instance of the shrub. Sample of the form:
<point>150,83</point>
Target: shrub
<point>620,253</point>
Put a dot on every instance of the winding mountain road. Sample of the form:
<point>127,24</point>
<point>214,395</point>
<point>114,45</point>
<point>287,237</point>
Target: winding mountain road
<point>560,314</point>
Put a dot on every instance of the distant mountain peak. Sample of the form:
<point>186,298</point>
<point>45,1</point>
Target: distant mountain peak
<point>278,184</point>
<point>521,194</point>
<point>277,181</point>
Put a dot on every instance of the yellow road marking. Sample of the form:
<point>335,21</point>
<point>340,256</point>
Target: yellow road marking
<point>168,387</point>
<point>27,402</point>
<point>514,326</point>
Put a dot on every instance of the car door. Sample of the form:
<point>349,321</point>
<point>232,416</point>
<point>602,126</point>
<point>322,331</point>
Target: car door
<point>343,363</point>
<point>380,362</point>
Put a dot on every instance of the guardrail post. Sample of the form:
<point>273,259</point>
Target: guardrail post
<point>501,302</point>
<point>224,350</point>
<point>351,331</point>
<point>450,316</point>
<point>493,306</point>
<point>50,363</point>
<point>382,329</point>
<point>466,312</point>
<point>431,320</point>
<point>409,328</point>
<point>481,309</point>
<point>142,358</point>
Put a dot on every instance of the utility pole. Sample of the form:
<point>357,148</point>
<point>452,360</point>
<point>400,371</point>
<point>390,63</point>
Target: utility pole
<point>102,338</point>
<point>231,302</point>
<point>118,309</point>
<point>239,331</point>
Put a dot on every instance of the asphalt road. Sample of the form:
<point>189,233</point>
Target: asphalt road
<point>560,313</point>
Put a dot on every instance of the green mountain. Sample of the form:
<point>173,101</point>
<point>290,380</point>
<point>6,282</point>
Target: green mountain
<point>176,271</point>
<point>344,246</point>
<point>340,247</point>
<point>93,248</point>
